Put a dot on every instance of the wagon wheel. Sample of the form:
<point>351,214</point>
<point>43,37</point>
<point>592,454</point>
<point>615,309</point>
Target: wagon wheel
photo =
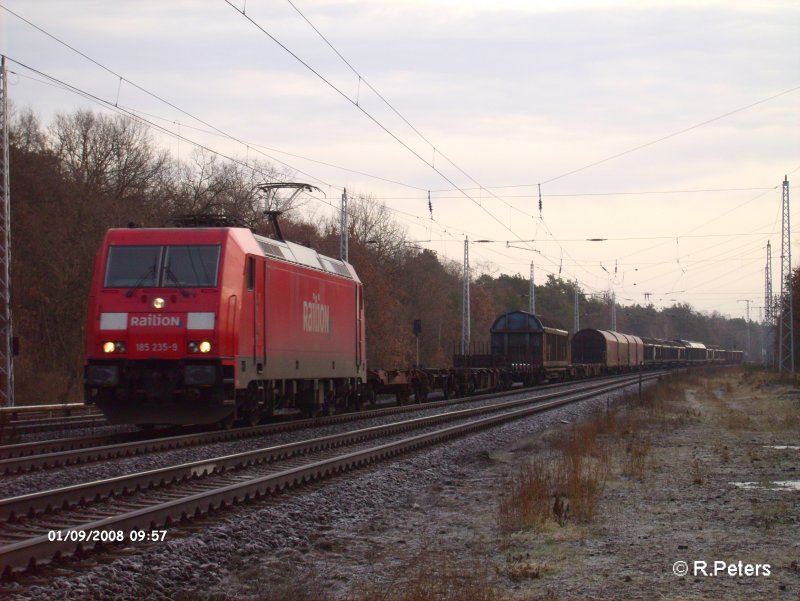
<point>402,395</point>
<point>420,388</point>
<point>226,423</point>
<point>446,389</point>
<point>369,394</point>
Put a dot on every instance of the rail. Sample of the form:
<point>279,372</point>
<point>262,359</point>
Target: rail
<point>69,540</point>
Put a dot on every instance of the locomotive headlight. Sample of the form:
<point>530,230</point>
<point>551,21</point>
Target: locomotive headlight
<point>199,346</point>
<point>113,347</point>
<point>158,303</point>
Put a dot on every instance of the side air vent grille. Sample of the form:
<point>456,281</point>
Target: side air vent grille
<point>271,249</point>
<point>337,267</point>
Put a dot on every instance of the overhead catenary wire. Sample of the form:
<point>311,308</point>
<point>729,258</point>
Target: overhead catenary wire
<point>672,135</point>
<point>136,115</point>
<point>376,121</point>
<point>407,215</point>
<point>251,145</point>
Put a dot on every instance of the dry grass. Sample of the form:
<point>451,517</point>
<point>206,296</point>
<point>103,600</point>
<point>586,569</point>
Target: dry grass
<point>571,467</point>
<point>723,451</point>
<point>769,514</point>
<point>637,455</point>
<point>697,472</point>
<point>565,483</point>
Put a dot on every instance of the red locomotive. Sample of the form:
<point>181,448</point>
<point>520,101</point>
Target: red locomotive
<point>206,324</point>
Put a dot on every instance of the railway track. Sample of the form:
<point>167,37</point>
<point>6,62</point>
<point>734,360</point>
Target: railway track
<point>80,450</point>
<point>28,419</point>
<point>141,507</point>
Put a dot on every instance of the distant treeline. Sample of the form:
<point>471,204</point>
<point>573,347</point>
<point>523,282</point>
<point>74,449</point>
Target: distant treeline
<point>86,172</point>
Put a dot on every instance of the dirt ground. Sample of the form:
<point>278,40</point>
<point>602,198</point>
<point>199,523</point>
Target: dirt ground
<point>698,497</point>
<point>710,512</point>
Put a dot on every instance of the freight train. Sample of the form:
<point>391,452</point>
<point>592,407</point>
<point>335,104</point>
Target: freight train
<point>205,325</point>
<point>531,349</point>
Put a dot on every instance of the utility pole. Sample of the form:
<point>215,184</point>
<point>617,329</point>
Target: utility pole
<point>532,295</point>
<point>344,251</point>
<point>465,302</point>
<point>577,320</point>
<point>769,318</point>
<point>786,344</point>
<point>6,331</point>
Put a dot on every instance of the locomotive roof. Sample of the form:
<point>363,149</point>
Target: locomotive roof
<point>243,237</point>
<point>296,253</point>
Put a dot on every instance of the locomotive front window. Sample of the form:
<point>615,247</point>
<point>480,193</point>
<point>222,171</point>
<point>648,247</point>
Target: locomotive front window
<point>191,266</point>
<point>133,266</point>
<point>178,266</point>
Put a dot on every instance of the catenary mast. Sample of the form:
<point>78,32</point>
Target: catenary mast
<point>786,333</point>
<point>6,331</point>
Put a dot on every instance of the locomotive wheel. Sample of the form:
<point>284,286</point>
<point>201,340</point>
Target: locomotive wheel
<point>250,409</point>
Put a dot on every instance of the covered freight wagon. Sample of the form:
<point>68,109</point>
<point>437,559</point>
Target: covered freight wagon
<point>606,351</point>
<point>529,347</point>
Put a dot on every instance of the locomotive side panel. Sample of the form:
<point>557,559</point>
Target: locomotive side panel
<point>311,323</point>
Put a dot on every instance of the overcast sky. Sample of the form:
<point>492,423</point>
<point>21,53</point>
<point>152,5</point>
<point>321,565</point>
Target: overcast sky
<point>665,128</point>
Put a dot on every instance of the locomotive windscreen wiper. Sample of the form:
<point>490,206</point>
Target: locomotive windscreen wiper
<point>170,276</point>
<point>150,272</point>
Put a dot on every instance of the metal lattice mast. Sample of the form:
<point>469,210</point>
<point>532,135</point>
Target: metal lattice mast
<point>6,332</point>
<point>786,344</point>
<point>613,311</point>
<point>769,319</point>
<point>344,251</point>
<point>532,294</point>
<point>747,329</point>
<point>465,302</point>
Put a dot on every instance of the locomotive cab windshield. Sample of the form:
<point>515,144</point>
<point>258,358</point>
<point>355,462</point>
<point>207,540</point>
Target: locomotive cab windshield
<point>169,266</point>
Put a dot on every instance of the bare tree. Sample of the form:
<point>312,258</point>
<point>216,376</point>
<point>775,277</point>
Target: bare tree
<point>371,222</point>
<point>213,186</point>
<point>86,173</point>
